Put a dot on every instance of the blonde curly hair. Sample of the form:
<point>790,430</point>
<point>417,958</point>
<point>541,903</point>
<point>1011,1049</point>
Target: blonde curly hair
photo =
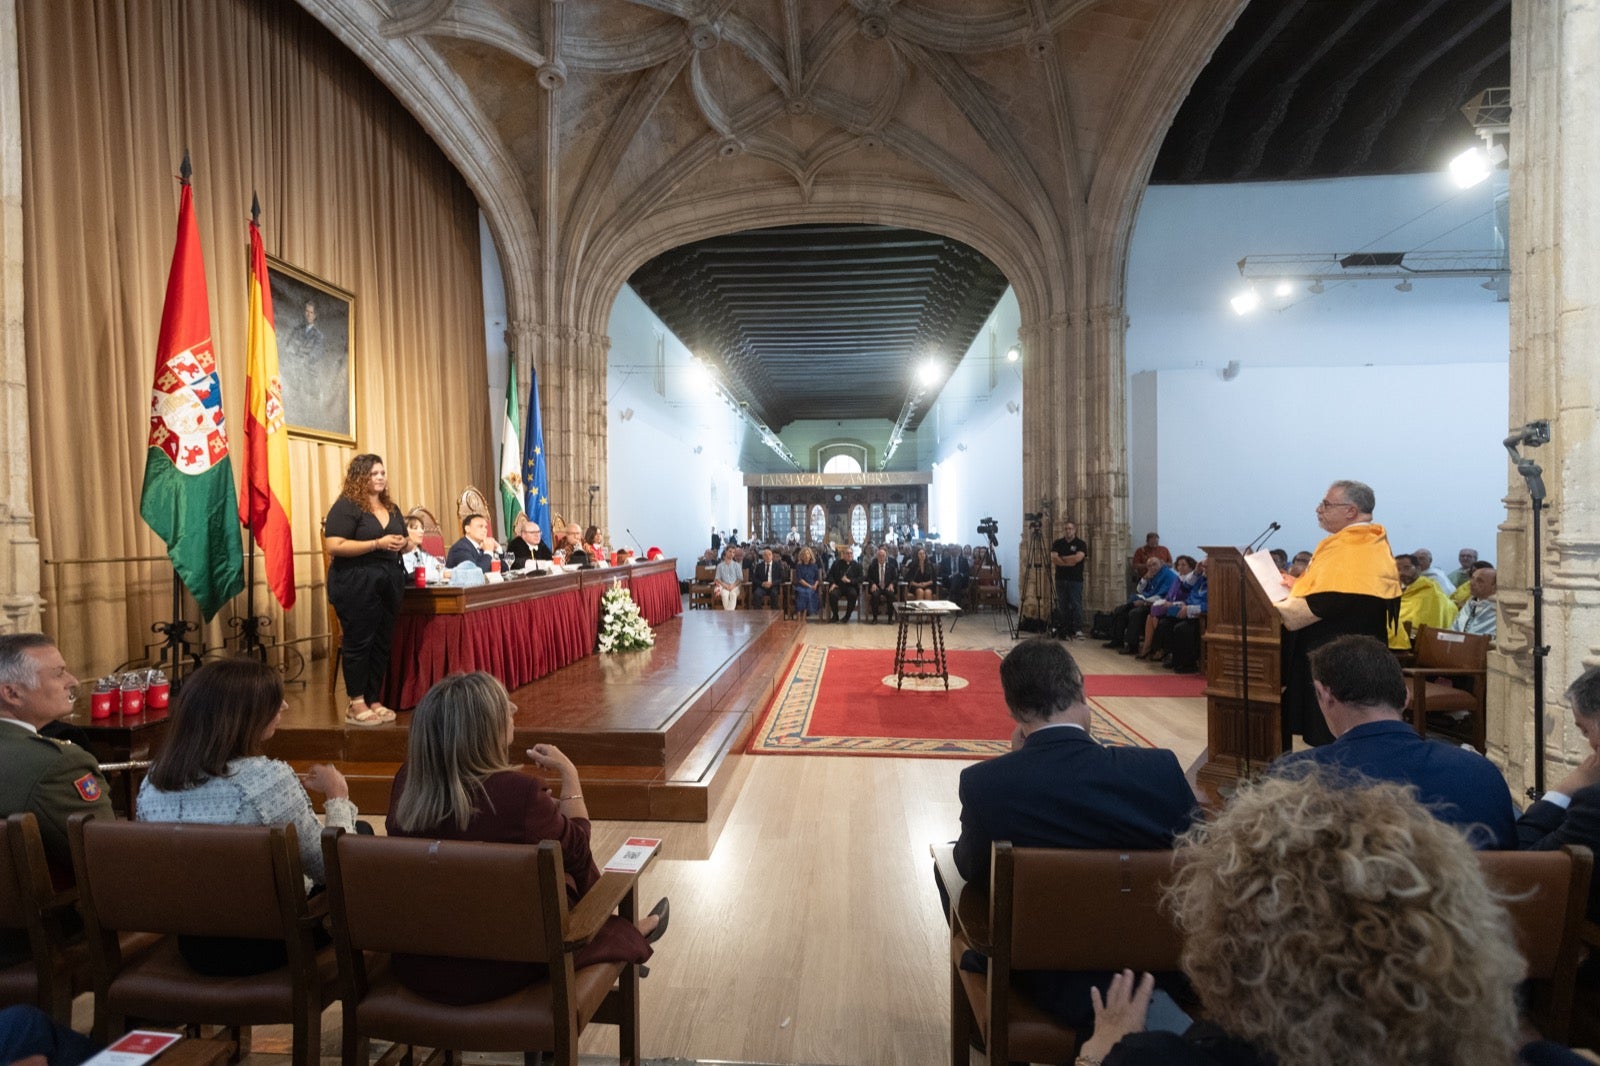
<point>1328,923</point>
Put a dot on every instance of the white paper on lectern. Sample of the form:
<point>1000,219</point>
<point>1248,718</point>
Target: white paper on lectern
<point>1267,575</point>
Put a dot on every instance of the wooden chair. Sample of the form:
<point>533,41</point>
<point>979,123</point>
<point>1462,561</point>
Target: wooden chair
<point>989,588</point>
<point>1462,658</point>
<point>1048,909</point>
<point>1546,894</point>
<point>503,902</point>
<point>180,879</point>
<point>432,536</point>
<point>700,591</point>
<point>31,906</point>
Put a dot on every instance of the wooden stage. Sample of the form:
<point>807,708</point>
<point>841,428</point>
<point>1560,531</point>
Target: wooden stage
<point>655,733</point>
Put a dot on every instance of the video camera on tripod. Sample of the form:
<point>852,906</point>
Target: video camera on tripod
<point>990,528</point>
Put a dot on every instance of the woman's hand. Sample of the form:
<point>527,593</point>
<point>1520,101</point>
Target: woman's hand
<point>328,781</point>
<point>550,757</point>
<point>393,542</point>
<point>1121,1012</point>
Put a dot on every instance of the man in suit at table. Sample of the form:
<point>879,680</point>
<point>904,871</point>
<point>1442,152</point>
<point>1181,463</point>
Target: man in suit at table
<point>883,575</point>
<point>767,576</point>
<point>529,544</point>
<point>475,546</point>
<point>1060,788</point>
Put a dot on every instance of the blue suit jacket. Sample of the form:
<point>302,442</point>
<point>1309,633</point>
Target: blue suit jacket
<point>464,551</point>
<point>1064,789</point>
<point>1460,786</point>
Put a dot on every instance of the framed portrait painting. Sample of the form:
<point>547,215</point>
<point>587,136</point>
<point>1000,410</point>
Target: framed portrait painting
<point>315,322</point>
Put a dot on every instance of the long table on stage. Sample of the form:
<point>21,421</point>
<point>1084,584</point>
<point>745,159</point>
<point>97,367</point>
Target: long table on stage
<point>518,630</point>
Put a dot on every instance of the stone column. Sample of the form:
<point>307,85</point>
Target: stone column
<point>19,548</point>
<point>1555,335</point>
<point>572,391</point>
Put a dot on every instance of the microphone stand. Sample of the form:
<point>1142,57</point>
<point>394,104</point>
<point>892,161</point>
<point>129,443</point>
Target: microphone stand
<point>1533,435</point>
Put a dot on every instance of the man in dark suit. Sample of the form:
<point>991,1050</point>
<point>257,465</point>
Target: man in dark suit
<point>1362,695</point>
<point>529,545</point>
<point>844,583</point>
<point>766,580</point>
<point>475,546</point>
<point>1061,788</point>
<point>1570,812</point>
<point>878,587</point>
<point>955,570</point>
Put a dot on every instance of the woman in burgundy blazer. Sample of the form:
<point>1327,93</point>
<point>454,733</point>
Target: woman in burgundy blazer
<point>458,784</point>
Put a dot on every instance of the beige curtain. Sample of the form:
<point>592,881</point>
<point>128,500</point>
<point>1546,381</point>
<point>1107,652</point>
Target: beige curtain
<point>352,190</point>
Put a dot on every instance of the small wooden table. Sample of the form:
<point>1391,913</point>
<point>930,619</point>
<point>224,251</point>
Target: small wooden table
<point>922,662</point>
<point>119,740</point>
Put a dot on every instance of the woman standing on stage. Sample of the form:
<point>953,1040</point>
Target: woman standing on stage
<point>365,534</point>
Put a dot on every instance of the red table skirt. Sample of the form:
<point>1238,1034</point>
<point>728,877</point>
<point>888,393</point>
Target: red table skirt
<point>517,642</point>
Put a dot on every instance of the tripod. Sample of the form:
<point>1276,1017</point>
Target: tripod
<point>1038,583</point>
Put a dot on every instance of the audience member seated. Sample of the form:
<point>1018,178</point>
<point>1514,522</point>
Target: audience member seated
<point>1150,549</point>
<point>1188,627</point>
<point>1363,694</point>
<point>1127,619</point>
<point>458,783</point>
<point>1570,812</point>
<point>573,551</point>
<point>844,583</point>
<point>807,575</point>
<point>211,771</point>
<point>415,557</point>
<point>1424,558</point>
<point>1167,609</point>
<point>1328,924</point>
<point>1298,564</point>
<point>1467,557</point>
<point>729,576</point>
<point>920,577</point>
<point>29,1037</point>
<point>767,578</point>
<point>475,546</point>
<point>955,571</point>
<point>880,584</point>
<point>1422,603</point>
<point>1477,614</point>
<point>528,544</point>
<point>48,778</point>
<point>1061,788</point>
<point>594,544</point>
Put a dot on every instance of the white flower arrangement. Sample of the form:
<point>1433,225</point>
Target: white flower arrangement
<point>622,628</point>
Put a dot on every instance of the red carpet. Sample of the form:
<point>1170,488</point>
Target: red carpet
<point>834,702</point>
<point>1180,685</point>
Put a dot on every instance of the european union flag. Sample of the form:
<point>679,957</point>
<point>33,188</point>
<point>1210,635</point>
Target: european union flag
<point>535,475</point>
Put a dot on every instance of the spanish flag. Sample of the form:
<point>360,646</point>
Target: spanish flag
<point>264,503</point>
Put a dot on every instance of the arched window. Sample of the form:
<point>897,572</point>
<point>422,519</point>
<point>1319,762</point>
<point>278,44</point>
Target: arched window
<point>858,524</point>
<point>842,464</point>
<point>819,523</point>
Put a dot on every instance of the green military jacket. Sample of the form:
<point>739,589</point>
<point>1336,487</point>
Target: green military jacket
<point>52,780</point>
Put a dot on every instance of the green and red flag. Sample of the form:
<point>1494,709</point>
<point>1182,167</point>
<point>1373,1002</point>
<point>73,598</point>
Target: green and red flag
<point>188,496</point>
<point>264,507</point>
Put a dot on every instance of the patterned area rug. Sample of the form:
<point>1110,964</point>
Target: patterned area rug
<point>844,702</point>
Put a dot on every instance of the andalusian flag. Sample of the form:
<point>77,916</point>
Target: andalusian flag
<point>510,460</point>
<point>188,496</point>
<point>535,474</point>
<point>265,507</point>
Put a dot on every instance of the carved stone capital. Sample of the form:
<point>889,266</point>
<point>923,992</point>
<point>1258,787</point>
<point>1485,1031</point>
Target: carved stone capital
<point>703,36</point>
<point>553,75</point>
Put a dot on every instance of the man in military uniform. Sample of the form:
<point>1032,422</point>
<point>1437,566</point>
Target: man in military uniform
<point>48,778</point>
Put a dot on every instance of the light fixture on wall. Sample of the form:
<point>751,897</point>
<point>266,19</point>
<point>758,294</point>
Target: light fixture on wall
<point>1316,287</point>
<point>1013,406</point>
<point>1283,288</point>
<point>1245,302</point>
<point>928,372</point>
<point>1404,285</point>
<point>1013,353</point>
<point>698,448</point>
<point>1476,164</point>
<point>961,447</point>
<point>626,414</point>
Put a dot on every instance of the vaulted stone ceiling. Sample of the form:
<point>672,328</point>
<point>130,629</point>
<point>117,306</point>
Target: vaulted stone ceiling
<point>823,321</point>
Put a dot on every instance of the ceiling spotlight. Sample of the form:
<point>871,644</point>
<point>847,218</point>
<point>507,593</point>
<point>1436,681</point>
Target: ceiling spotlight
<point>1315,288</point>
<point>1284,287</point>
<point>1491,284</point>
<point>1472,166</point>
<point>1404,285</point>
<point>1246,301</point>
<point>1012,354</point>
<point>928,373</point>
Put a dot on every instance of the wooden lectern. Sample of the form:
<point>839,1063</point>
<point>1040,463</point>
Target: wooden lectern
<point>1244,639</point>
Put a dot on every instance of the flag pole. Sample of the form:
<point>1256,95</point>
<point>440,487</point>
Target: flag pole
<point>175,648</point>
<point>250,625</point>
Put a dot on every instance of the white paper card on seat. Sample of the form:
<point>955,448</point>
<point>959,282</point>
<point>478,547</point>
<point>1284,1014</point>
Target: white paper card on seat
<point>137,1047</point>
<point>632,856</point>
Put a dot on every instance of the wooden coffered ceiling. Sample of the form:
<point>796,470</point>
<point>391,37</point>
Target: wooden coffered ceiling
<point>823,321</point>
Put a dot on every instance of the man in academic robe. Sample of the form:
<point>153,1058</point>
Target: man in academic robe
<point>475,546</point>
<point>1422,603</point>
<point>883,575</point>
<point>1350,586</point>
<point>529,544</point>
<point>844,583</point>
<point>1424,558</point>
<point>1468,558</point>
<point>1477,614</point>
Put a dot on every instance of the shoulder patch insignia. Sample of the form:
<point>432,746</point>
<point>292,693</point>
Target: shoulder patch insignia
<point>88,787</point>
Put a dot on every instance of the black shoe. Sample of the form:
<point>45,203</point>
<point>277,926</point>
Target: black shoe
<point>1112,644</point>
<point>1124,650</point>
<point>662,910</point>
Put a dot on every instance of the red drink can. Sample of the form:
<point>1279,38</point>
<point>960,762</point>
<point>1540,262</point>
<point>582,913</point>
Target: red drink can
<point>158,695</point>
<point>132,701</point>
<point>100,704</point>
<point>420,577</point>
<point>494,566</point>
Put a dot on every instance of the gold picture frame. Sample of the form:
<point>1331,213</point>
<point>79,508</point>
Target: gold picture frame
<point>315,323</point>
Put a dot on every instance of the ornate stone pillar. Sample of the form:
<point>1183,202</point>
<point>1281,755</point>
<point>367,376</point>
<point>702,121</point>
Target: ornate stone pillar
<point>1555,333</point>
<point>572,391</point>
<point>19,548</point>
<point>1074,440</point>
